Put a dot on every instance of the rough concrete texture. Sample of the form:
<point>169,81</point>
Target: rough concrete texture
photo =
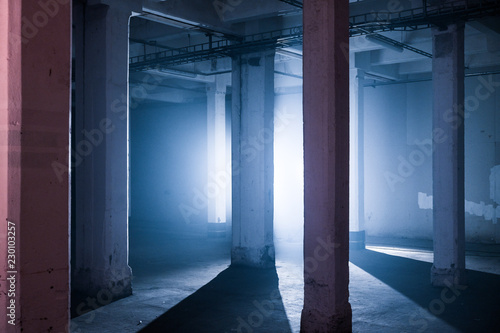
<point>35,93</point>
<point>100,156</point>
<point>38,137</point>
<point>10,117</point>
<point>326,167</point>
<point>247,257</point>
<point>448,173</point>
<point>252,156</point>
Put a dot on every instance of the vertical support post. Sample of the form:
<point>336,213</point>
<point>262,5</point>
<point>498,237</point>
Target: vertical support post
<point>35,92</point>
<point>10,150</point>
<point>326,167</point>
<point>100,157</point>
<point>252,152</point>
<point>356,148</point>
<point>448,157</point>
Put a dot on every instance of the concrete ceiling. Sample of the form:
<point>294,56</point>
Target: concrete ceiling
<point>171,24</point>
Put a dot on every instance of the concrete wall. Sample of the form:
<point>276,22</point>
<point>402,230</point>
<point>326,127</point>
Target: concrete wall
<point>168,164</point>
<point>398,159</point>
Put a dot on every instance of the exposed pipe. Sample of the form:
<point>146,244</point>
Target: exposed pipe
<point>393,46</point>
<point>145,42</point>
<point>392,43</point>
<point>426,79</point>
<point>184,24</point>
<point>294,3</point>
<point>289,74</point>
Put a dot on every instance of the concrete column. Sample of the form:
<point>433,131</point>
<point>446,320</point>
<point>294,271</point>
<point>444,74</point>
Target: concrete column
<point>252,159</point>
<point>448,157</point>
<point>326,167</point>
<point>356,159</point>
<point>100,157</point>
<point>216,132</point>
<point>7,22</point>
<point>10,151</point>
<point>35,65</point>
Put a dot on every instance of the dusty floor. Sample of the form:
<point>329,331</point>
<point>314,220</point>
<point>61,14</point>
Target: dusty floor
<point>182,283</point>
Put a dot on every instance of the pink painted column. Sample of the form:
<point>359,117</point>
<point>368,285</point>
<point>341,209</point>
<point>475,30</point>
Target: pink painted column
<point>326,167</point>
<point>10,113</point>
<point>35,65</point>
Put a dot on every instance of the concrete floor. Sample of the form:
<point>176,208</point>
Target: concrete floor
<point>182,284</point>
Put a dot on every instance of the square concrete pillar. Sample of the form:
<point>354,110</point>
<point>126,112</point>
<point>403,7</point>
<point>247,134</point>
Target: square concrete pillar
<point>252,159</point>
<point>35,67</point>
<point>448,156</point>
<point>326,167</point>
<point>356,159</point>
<point>100,157</point>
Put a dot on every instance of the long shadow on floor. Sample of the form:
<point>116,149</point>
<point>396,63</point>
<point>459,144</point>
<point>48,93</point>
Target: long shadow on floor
<point>474,309</point>
<point>239,299</point>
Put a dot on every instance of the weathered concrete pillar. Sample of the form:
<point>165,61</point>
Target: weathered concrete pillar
<point>356,160</point>
<point>448,157</point>
<point>35,65</point>
<point>7,63</point>
<point>100,157</point>
<point>218,177</point>
<point>252,159</point>
<point>326,167</point>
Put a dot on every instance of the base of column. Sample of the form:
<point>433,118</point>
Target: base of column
<point>446,277</point>
<point>93,289</point>
<point>357,240</point>
<point>252,257</point>
<point>314,322</point>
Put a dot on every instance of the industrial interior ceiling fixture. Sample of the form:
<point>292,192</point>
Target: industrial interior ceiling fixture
<point>423,17</point>
<point>220,48</point>
<point>295,3</point>
<point>363,24</point>
<point>394,44</point>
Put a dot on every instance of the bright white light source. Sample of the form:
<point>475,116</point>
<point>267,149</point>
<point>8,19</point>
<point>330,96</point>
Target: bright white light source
<point>216,132</point>
<point>288,169</point>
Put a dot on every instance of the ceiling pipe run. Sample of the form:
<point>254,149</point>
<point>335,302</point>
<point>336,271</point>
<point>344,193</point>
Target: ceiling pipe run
<point>294,3</point>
